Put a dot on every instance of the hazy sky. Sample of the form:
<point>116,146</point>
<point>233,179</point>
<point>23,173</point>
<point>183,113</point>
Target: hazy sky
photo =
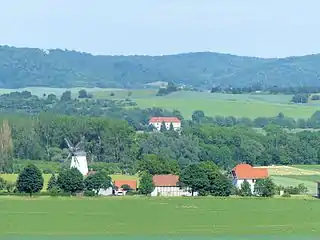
<point>266,28</point>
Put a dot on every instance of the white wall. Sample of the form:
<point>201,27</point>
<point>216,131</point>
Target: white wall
<point>157,125</point>
<point>238,182</point>
<point>171,192</point>
<point>105,192</point>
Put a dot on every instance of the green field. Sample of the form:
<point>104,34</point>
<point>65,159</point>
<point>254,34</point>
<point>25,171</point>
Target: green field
<point>240,105</point>
<point>295,175</point>
<point>13,178</point>
<point>152,217</point>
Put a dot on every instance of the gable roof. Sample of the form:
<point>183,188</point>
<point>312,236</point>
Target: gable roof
<point>167,180</point>
<point>246,171</point>
<point>164,119</point>
<point>132,183</point>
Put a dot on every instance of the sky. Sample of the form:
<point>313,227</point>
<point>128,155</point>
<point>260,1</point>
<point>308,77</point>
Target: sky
<point>261,28</point>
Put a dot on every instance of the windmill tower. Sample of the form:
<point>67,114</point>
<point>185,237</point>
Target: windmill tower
<point>78,156</point>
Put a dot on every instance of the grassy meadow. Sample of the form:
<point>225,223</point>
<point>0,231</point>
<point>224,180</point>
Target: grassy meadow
<point>238,105</point>
<point>171,218</point>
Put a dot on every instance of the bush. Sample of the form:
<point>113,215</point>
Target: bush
<point>89,193</point>
<point>286,195</point>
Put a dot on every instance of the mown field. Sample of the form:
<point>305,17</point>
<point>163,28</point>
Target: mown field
<point>171,218</point>
<point>295,175</point>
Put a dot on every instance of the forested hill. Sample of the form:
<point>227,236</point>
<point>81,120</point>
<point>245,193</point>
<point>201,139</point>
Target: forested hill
<point>22,67</point>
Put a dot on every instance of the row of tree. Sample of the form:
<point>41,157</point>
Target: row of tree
<point>259,122</point>
<point>116,142</point>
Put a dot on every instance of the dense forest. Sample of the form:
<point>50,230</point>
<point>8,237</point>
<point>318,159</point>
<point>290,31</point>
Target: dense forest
<point>22,67</point>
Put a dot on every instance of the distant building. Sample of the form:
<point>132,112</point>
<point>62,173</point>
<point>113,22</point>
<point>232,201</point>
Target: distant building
<point>167,186</point>
<point>119,191</point>
<point>246,172</point>
<point>156,122</point>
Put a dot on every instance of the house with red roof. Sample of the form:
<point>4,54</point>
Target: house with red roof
<point>168,185</point>
<point>245,172</point>
<point>156,122</point>
<point>119,184</point>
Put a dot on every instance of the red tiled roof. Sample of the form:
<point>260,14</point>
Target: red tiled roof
<point>164,119</point>
<point>245,171</point>
<point>168,180</point>
<point>132,183</point>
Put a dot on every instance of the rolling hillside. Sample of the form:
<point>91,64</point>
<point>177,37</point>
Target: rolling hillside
<point>23,67</point>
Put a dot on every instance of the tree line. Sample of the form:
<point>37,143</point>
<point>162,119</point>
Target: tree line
<point>116,143</point>
<point>205,178</point>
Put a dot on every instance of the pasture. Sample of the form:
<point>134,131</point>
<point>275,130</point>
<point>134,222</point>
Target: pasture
<point>238,105</point>
<point>158,218</point>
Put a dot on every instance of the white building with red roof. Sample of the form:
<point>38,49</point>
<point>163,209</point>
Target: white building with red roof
<point>167,185</point>
<point>156,122</point>
<point>245,172</point>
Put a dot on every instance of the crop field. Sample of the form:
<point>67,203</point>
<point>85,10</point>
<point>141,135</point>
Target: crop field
<point>295,175</point>
<point>158,218</point>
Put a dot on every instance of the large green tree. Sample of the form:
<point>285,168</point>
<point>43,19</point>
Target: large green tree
<point>71,181</point>
<point>195,178</point>
<point>97,181</point>
<point>30,180</point>
<point>146,185</point>
<point>265,187</point>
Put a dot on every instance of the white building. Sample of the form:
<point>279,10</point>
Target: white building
<point>246,172</point>
<point>156,122</point>
<point>167,186</point>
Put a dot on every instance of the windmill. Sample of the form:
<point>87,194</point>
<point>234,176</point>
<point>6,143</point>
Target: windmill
<point>78,156</point>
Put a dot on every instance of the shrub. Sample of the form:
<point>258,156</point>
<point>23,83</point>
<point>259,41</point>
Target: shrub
<point>89,193</point>
<point>286,195</point>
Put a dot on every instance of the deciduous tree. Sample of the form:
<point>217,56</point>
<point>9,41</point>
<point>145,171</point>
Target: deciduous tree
<point>30,180</point>
<point>265,187</point>
<point>97,181</point>
<point>70,181</point>
<point>6,148</point>
<point>245,189</point>
<point>146,185</point>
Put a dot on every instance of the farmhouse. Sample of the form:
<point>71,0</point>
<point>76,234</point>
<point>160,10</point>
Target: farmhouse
<point>156,122</point>
<point>118,184</point>
<point>246,172</point>
<point>167,185</point>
